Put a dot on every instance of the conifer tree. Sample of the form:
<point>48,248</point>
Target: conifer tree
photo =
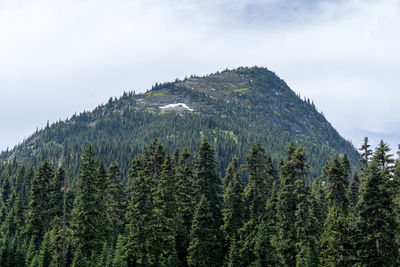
<point>264,251</point>
<point>292,168</point>
<point>233,207</point>
<point>46,249</point>
<point>365,153</point>
<point>56,196</point>
<point>319,205</point>
<point>204,248</point>
<point>306,228</point>
<point>346,166</point>
<point>115,200</point>
<point>353,191</point>
<point>208,184</point>
<point>337,185</point>
<point>233,203</point>
<point>206,180</point>
<point>256,195</point>
<point>146,242</point>
<point>336,245</point>
<point>38,218</point>
<point>257,191</point>
<point>376,222</point>
<point>186,205</point>
<point>87,217</point>
<point>166,194</point>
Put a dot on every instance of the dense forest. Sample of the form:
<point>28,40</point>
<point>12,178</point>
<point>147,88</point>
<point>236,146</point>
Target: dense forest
<point>174,209</point>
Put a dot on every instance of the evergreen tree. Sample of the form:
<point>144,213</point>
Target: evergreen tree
<point>257,191</point>
<point>336,246</point>
<point>337,185</point>
<point>319,205</point>
<point>366,153</point>
<point>208,184</point>
<point>292,168</point>
<point>376,222</point>
<point>87,216</point>
<point>115,203</point>
<point>56,195</point>
<point>233,203</point>
<point>381,156</point>
<point>204,248</point>
<point>353,191</point>
<point>264,251</point>
<point>46,250</point>
<point>38,219</point>
<point>146,243</point>
<point>206,180</point>
<point>185,202</point>
<point>306,228</point>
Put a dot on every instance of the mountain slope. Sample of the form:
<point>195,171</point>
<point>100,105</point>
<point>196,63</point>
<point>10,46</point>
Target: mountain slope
<point>233,108</point>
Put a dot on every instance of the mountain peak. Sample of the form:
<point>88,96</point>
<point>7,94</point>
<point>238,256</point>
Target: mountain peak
<point>234,108</point>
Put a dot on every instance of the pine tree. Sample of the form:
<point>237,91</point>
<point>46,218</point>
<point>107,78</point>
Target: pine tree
<point>208,184</point>
<point>306,228</point>
<point>258,190</point>
<point>56,196</point>
<point>353,191</point>
<point>87,217</point>
<point>233,203</point>
<point>146,241</point>
<point>116,200</point>
<point>185,202</point>
<point>381,156</point>
<point>336,245</point>
<point>234,255</point>
<point>264,251</point>
<point>346,166</point>
<point>166,203</point>
<point>46,251</point>
<point>376,222</point>
<point>336,242</point>
<point>366,153</point>
<point>206,180</point>
<point>38,219</point>
<point>256,195</point>
<point>204,249</point>
<point>292,168</point>
<point>319,205</point>
<point>337,185</point>
<point>166,195</point>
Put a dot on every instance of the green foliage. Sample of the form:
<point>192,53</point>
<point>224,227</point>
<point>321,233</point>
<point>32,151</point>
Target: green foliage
<point>204,249</point>
<point>38,219</point>
<point>87,215</point>
<point>376,222</point>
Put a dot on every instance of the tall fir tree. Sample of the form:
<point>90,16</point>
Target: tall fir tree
<point>204,249</point>
<point>292,168</point>
<point>185,202</point>
<point>233,204</point>
<point>336,246</point>
<point>377,244</point>
<point>87,216</point>
<point>38,218</point>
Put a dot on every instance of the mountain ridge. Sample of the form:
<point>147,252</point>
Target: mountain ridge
<point>233,108</point>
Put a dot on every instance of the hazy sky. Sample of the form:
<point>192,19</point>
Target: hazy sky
<point>61,57</point>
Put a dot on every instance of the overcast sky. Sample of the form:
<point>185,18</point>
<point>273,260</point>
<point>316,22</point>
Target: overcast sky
<point>61,57</point>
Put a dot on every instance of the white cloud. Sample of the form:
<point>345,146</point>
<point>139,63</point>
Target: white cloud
<point>60,57</point>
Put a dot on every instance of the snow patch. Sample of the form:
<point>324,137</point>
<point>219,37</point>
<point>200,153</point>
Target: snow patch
<point>176,106</point>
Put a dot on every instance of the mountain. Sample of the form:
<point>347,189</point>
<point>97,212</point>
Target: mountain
<point>233,108</point>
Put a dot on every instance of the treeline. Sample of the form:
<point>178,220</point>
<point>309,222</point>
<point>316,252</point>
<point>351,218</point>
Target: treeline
<point>177,211</point>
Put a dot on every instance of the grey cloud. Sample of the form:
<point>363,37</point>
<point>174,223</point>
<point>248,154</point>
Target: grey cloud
<point>62,57</point>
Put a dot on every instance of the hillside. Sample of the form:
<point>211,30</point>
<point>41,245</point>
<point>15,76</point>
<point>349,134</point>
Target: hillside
<point>232,108</point>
